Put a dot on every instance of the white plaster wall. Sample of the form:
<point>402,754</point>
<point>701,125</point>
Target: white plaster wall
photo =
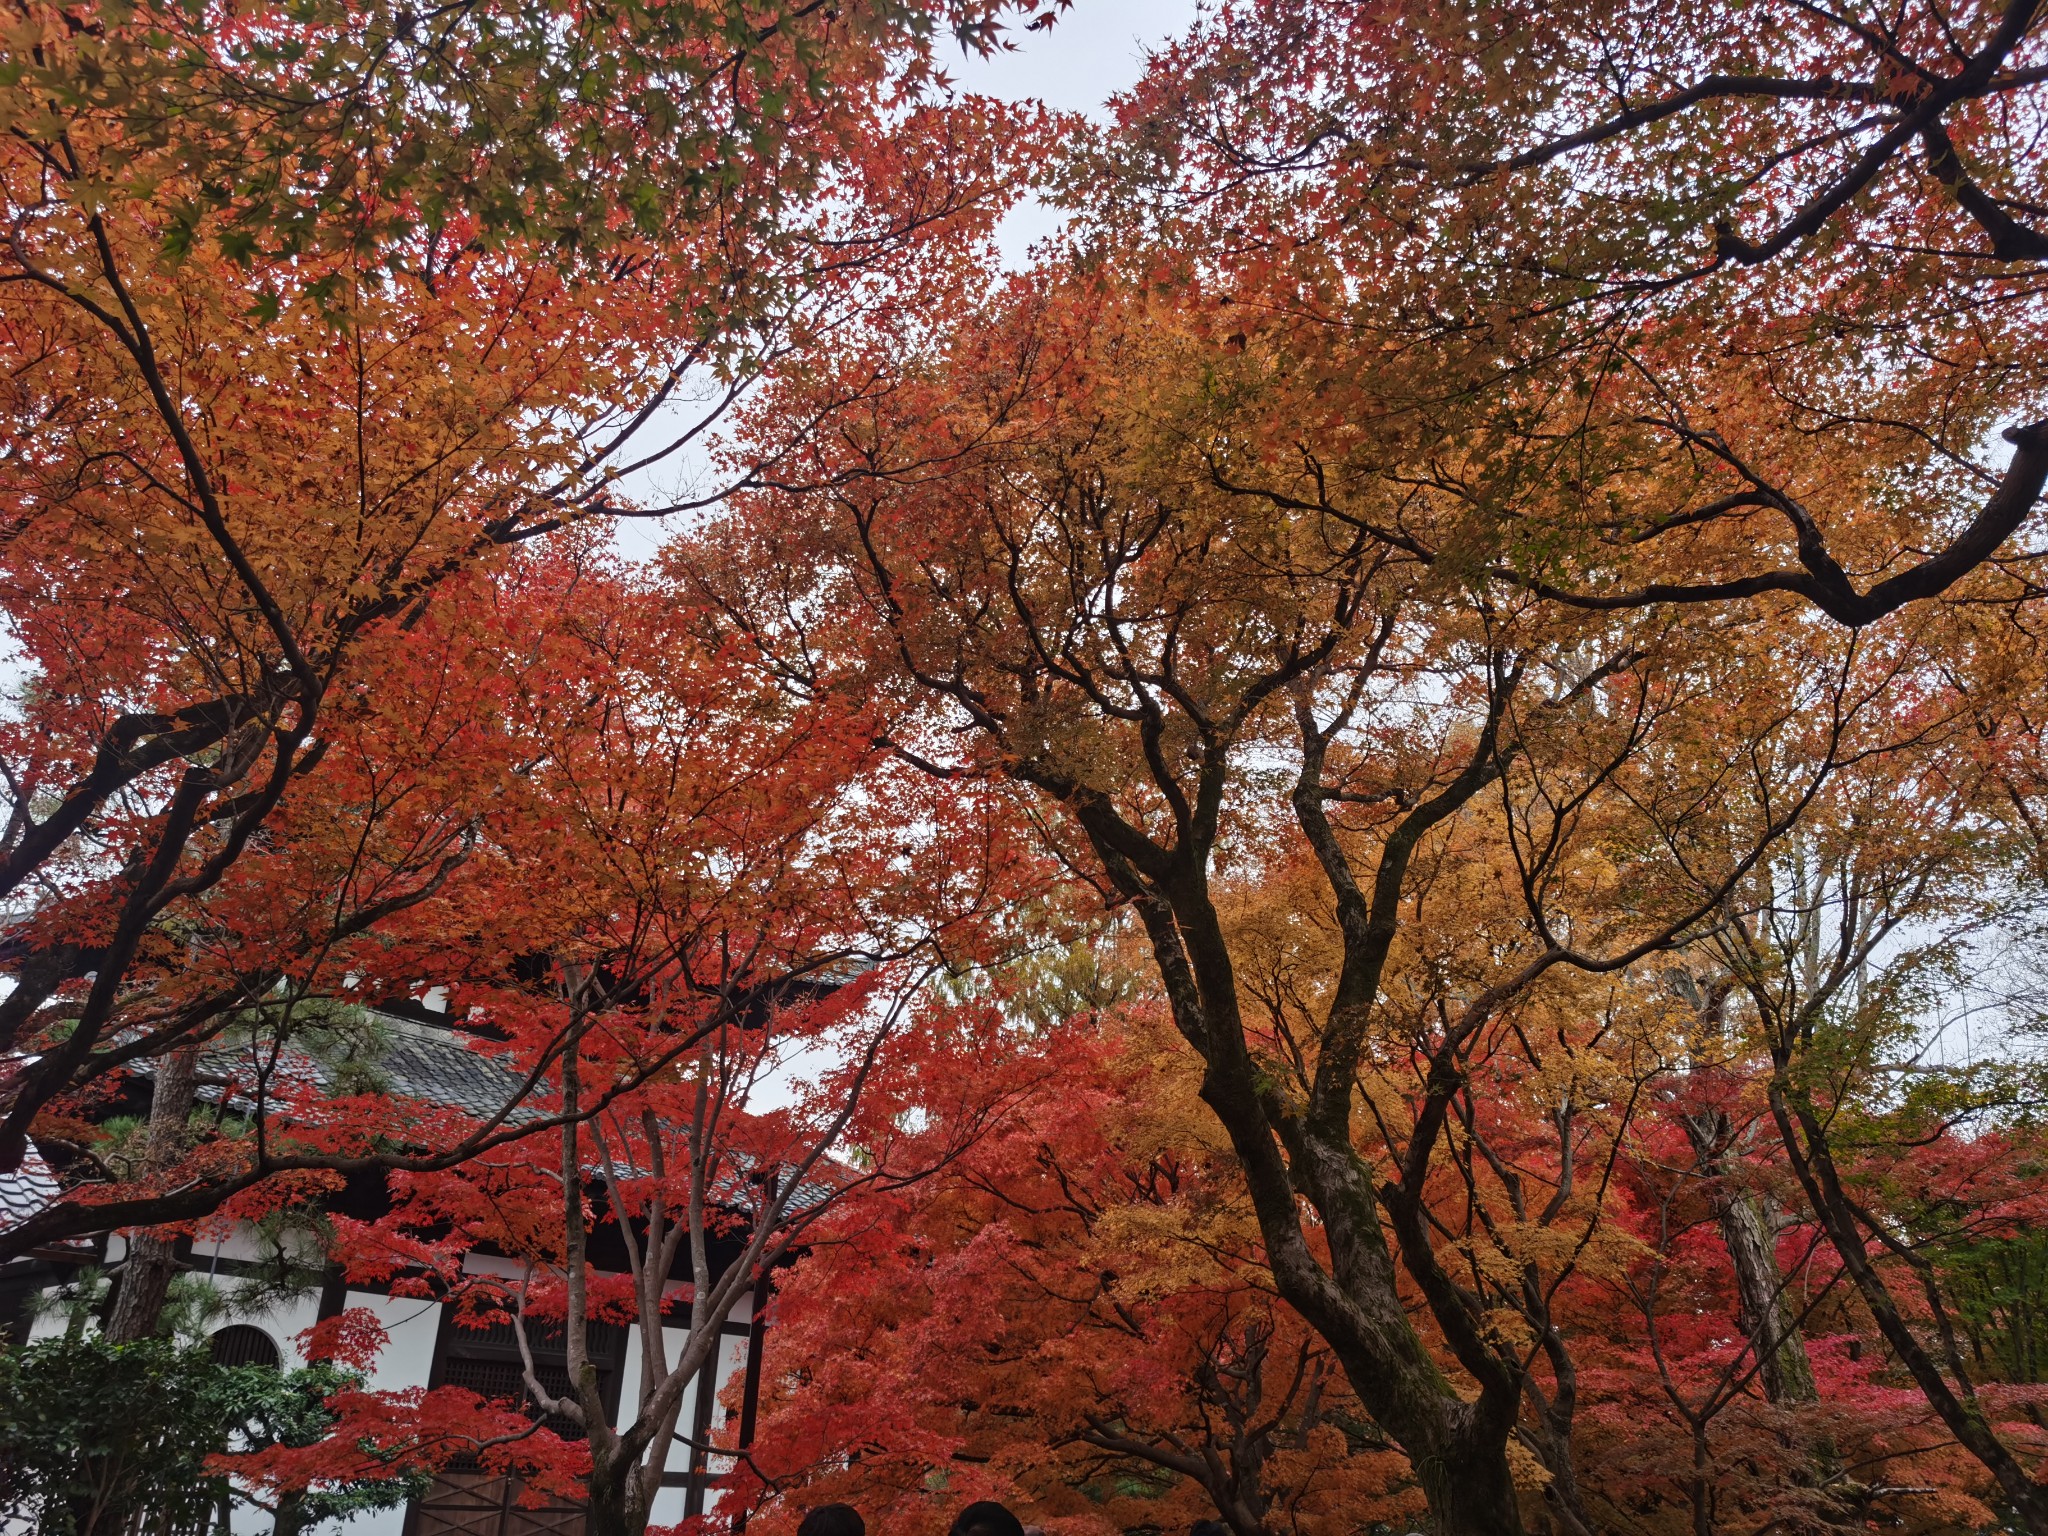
<point>412,1326</point>
<point>283,1323</point>
<point>732,1362</point>
<point>732,1359</point>
<point>668,1507</point>
<point>238,1241</point>
<point>48,1325</point>
<point>406,1361</point>
<point>629,1385</point>
<point>629,1373</point>
<point>283,1320</point>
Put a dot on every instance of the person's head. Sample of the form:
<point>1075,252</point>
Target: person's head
<point>987,1518</point>
<point>833,1520</point>
<point>1208,1528</point>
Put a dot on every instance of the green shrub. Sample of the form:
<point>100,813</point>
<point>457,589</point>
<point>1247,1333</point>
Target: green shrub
<point>100,1439</point>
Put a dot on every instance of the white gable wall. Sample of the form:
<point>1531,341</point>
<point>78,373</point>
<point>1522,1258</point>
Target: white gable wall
<point>413,1328</point>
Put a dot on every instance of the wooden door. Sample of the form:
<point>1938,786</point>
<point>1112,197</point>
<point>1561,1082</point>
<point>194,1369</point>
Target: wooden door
<point>472,1503</point>
<point>464,1500</point>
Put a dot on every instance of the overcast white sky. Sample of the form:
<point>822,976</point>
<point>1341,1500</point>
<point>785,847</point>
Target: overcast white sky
<point>1097,49</point>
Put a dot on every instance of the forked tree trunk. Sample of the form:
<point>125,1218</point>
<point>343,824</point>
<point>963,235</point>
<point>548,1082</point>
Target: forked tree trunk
<point>1783,1369</point>
<point>1458,1448</point>
<point>610,1518</point>
<point>152,1260</point>
<point>616,1505</point>
<point>1782,1365</point>
<point>1356,1302</point>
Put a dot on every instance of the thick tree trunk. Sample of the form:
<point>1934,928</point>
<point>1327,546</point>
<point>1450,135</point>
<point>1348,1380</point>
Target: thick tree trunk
<point>1469,1487</point>
<point>152,1260</point>
<point>1294,1147</point>
<point>616,1505</point>
<point>1782,1365</point>
<point>1458,1448</point>
<point>146,1276</point>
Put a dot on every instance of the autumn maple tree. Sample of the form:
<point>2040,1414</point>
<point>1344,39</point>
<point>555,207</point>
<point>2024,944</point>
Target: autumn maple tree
<point>678,887</point>
<point>1785,254</point>
<point>1076,1317</point>
<point>1609,1180</point>
<point>1380,495</point>
<point>308,314</point>
<point>1030,533</point>
<point>1073,1317</point>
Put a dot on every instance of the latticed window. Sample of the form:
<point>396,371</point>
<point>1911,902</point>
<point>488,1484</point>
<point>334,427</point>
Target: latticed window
<point>506,1381</point>
<point>487,1361</point>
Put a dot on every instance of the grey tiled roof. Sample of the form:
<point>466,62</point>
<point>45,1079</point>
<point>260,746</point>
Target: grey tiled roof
<point>430,1063</point>
<point>434,1065</point>
<point>413,1061</point>
<point>26,1190</point>
<point>422,1062</point>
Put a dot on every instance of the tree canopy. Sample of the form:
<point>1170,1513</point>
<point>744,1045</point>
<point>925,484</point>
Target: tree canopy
<point>1365,802</point>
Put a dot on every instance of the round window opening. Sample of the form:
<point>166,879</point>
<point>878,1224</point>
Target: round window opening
<point>243,1345</point>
